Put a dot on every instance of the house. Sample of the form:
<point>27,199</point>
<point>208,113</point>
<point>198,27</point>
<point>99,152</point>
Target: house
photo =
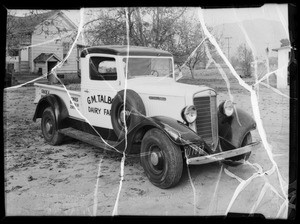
<point>283,62</point>
<point>43,40</point>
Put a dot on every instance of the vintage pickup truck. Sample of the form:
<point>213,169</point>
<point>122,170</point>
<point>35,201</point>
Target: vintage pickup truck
<point>132,101</point>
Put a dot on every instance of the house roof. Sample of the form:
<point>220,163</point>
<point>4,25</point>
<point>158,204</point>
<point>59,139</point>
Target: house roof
<point>43,57</point>
<point>27,24</point>
<point>122,51</point>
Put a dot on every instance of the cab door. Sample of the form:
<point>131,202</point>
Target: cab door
<point>99,87</point>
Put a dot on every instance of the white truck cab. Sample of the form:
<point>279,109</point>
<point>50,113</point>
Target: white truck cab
<point>133,91</point>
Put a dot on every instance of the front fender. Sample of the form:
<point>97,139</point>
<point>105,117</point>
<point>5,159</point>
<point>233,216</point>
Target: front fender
<point>234,128</point>
<point>177,132</point>
<point>57,105</point>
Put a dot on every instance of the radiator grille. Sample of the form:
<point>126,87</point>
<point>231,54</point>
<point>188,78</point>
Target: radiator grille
<point>206,122</point>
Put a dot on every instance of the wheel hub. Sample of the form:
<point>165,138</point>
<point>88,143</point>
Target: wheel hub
<point>124,118</point>
<point>49,127</point>
<point>154,158</point>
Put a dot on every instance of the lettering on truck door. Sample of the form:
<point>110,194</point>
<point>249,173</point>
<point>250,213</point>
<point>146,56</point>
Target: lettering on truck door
<point>98,90</point>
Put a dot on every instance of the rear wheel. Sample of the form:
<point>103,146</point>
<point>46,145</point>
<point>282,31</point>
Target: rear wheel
<point>161,159</point>
<point>49,128</point>
<point>238,160</point>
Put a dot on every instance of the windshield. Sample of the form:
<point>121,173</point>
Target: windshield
<point>158,67</point>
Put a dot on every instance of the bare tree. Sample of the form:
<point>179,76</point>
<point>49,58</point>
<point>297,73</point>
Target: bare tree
<point>245,58</point>
<point>166,28</point>
<point>234,62</point>
<point>189,36</point>
<point>16,35</point>
<point>152,27</point>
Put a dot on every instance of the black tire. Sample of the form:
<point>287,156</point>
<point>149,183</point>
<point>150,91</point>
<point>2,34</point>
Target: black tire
<point>134,108</point>
<point>49,128</point>
<point>161,159</point>
<point>238,160</point>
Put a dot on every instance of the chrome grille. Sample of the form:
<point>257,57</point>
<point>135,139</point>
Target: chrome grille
<point>206,122</point>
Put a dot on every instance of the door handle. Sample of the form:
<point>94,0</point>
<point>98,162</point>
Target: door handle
<point>86,90</point>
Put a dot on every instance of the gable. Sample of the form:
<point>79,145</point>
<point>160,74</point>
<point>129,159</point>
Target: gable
<point>54,27</point>
<point>43,57</point>
<point>29,24</point>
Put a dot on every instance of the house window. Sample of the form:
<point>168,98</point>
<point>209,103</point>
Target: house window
<point>66,48</point>
<point>102,68</point>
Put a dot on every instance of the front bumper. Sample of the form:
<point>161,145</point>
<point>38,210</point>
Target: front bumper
<point>203,159</point>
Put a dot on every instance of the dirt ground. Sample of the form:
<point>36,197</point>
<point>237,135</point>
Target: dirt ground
<point>79,179</point>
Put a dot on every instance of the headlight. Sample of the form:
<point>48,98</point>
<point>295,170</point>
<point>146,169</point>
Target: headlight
<point>189,114</point>
<point>228,108</point>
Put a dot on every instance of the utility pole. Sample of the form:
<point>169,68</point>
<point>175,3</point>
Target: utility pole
<point>268,63</point>
<point>228,47</point>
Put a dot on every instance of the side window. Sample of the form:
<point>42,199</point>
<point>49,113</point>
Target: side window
<point>103,68</point>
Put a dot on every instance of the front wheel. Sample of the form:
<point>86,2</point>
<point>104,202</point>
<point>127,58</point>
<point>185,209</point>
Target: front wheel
<point>161,159</point>
<point>49,128</point>
<point>126,113</point>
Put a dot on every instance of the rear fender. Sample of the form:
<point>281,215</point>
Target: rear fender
<point>57,105</point>
<point>234,128</point>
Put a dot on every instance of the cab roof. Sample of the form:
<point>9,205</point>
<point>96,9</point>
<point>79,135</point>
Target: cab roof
<point>121,50</point>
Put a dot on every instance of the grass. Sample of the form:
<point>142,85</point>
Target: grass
<point>213,78</point>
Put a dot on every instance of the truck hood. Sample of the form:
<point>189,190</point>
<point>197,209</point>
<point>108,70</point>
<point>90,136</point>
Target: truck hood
<point>162,86</point>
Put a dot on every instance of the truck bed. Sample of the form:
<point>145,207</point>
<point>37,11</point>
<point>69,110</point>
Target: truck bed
<point>71,94</point>
<point>72,86</point>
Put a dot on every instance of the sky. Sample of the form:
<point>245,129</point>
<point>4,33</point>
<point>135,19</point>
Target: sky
<point>231,15</point>
<point>269,24</point>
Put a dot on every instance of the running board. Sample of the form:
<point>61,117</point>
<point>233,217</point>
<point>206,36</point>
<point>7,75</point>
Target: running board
<point>89,138</point>
<point>223,155</point>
